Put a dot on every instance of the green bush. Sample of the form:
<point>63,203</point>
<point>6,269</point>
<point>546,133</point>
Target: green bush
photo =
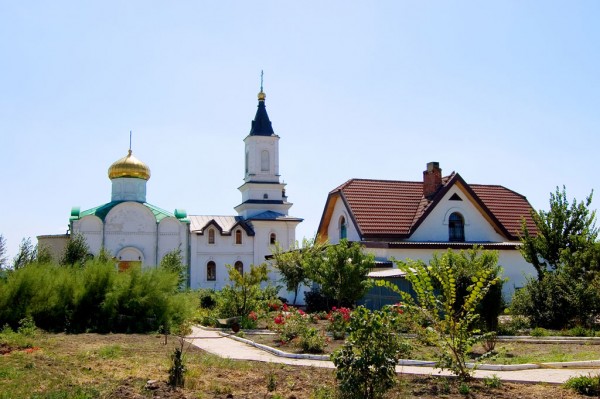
<point>94,297</point>
<point>312,341</point>
<point>208,298</point>
<point>584,385</point>
<point>539,332</point>
<point>580,331</point>
<point>366,364</point>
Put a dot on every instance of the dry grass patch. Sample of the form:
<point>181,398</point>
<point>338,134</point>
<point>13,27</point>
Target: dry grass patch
<point>119,366</point>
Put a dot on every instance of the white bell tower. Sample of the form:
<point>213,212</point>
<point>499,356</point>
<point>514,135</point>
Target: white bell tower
<point>262,190</point>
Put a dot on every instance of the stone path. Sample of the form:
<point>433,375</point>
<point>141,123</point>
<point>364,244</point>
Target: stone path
<point>213,342</point>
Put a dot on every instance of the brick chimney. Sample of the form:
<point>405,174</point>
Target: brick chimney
<point>432,179</point>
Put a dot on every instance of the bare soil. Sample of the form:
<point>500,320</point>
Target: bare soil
<point>120,366</point>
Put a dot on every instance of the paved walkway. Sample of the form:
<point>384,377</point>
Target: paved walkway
<point>213,342</point>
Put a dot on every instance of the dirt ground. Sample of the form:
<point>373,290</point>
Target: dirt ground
<point>136,366</point>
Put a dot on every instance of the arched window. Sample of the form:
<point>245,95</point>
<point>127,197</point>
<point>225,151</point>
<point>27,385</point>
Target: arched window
<point>264,161</point>
<point>456,228</point>
<point>239,266</point>
<point>343,228</point>
<point>246,162</point>
<point>211,236</point>
<point>238,236</point>
<point>272,239</point>
<point>211,271</point>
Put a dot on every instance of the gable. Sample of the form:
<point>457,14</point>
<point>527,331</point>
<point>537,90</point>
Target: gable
<point>478,226</point>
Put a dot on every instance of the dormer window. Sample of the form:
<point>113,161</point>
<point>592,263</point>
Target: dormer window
<point>238,237</point>
<point>456,228</point>
<point>343,228</point>
<point>211,236</point>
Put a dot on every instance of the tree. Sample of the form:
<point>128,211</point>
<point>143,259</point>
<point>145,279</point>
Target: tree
<point>242,296</point>
<point>293,263</point>
<point>3,257</point>
<point>173,261</point>
<point>26,254</point>
<point>566,255</point>
<point>76,251</point>
<point>43,254</point>
<point>342,272</point>
<point>561,233</point>
<point>446,319</point>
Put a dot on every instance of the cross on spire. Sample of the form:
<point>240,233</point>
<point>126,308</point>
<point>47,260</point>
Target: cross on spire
<point>261,80</point>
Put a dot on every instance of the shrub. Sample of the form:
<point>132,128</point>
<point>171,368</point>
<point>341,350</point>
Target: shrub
<point>244,294</point>
<point>539,332</point>
<point>366,363</point>
<point>584,385</point>
<point>291,323</point>
<point>338,322</point>
<point>580,331</point>
<point>312,340</point>
<point>447,320</point>
<point>94,297</point>
<point>492,382</point>
<point>208,299</point>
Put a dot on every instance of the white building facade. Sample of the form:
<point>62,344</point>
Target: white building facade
<point>414,220</point>
<point>135,232</point>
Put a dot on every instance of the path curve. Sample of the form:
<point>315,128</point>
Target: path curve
<point>213,342</point>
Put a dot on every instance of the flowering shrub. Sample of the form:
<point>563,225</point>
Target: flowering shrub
<point>290,323</point>
<point>253,316</point>
<point>339,318</point>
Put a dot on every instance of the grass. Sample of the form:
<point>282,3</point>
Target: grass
<point>118,366</point>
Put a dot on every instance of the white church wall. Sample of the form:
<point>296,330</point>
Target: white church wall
<point>91,227</point>
<point>223,252</point>
<point>131,224</point>
<point>170,237</point>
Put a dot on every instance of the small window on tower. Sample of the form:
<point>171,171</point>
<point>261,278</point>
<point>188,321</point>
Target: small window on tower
<point>272,239</point>
<point>238,237</point>
<point>265,196</point>
<point>343,228</point>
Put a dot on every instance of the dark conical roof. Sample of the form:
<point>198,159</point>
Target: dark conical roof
<point>261,125</point>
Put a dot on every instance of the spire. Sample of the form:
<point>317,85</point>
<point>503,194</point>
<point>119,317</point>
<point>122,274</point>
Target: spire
<point>261,125</point>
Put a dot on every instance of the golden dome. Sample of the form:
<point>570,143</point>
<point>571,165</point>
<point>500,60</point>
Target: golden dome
<point>261,96</point>
<point>129,166</point>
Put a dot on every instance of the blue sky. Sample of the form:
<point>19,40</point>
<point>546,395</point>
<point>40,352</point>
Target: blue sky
<point>503,92</point>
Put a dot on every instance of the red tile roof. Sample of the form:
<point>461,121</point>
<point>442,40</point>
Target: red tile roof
<point>394,209</point>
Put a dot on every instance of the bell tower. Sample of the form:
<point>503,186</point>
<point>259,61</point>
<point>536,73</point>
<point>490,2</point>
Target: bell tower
<point>262,191</point>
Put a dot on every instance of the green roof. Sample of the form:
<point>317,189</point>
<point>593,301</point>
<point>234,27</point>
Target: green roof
<point>102,210</point>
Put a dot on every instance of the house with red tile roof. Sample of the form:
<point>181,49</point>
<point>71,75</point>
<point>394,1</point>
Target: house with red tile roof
<point>415,219</point>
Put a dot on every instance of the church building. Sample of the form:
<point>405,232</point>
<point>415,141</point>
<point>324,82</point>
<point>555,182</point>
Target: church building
<point>136,232</point>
